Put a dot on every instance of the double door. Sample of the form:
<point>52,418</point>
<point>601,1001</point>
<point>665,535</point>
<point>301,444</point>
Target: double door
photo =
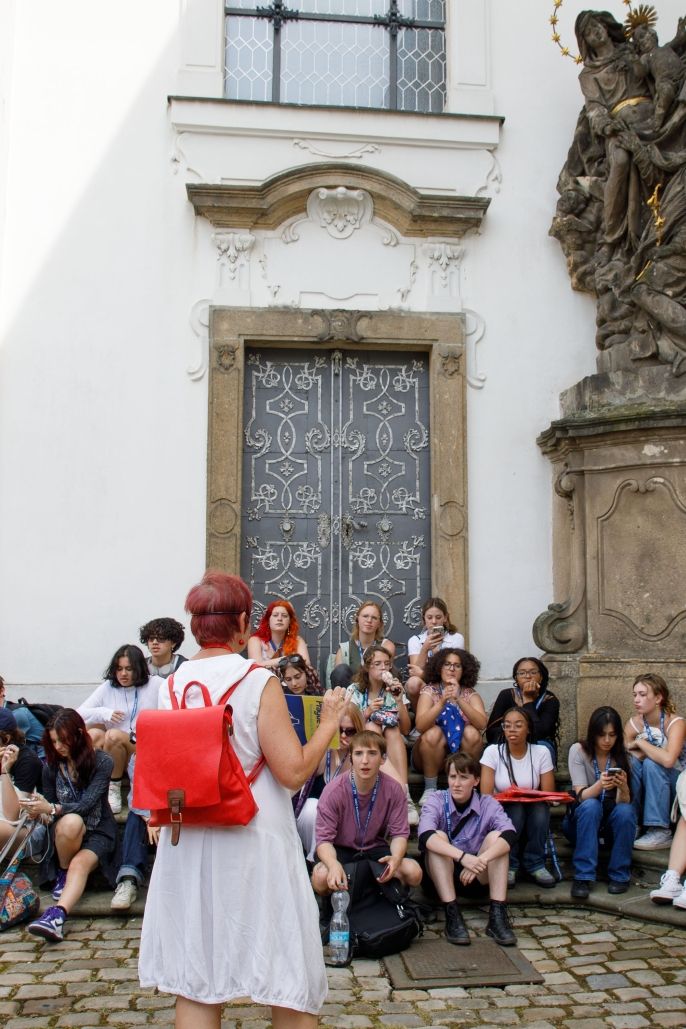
<point>336,488</point>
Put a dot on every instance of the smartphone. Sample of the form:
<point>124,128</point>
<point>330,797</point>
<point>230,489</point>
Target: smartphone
<point>438,630</point>
<point>613,771</point>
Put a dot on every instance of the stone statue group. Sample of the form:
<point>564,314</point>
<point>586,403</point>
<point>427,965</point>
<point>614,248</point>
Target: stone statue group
<point>621,214</point>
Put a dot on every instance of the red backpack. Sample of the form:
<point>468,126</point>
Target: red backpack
<point>187,772</point>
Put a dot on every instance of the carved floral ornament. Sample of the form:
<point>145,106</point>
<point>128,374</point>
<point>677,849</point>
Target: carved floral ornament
<point>232,247</point>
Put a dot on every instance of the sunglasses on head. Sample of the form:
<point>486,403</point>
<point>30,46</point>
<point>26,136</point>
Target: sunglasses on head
<point>296,660</point>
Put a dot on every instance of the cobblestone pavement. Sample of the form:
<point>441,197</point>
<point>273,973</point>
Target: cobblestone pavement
<point>600,971</point>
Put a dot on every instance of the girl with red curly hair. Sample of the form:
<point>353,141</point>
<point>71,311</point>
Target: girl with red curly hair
<point>277,636</point>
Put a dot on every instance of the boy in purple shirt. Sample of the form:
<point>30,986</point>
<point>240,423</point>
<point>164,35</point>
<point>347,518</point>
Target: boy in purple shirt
<point>363,815</point>
<point>465,839</point>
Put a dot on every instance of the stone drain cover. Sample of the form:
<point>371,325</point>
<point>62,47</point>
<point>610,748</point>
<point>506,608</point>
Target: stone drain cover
<point>428,964</point>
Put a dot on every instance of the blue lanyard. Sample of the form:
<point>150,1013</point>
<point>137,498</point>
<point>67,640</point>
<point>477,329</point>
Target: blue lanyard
<point>647,728</point>
<point>597,772</point>
<point>539,699</point>
<point>328,777</point>
<point>66,776</point>
<point>361,650</point>
<point>135,707</point>
<point>446,809</point>
<point>356,809</point>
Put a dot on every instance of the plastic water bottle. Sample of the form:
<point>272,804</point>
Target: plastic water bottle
<point>338,948</point>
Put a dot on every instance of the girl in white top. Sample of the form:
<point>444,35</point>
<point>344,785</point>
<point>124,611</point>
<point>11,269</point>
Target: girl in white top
<point>519,762</point>
<point>110,712</point>
<point>437,634</point>
<point>654,737</point>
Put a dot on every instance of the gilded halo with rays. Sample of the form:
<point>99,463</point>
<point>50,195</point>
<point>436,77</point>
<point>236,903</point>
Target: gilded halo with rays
<point>644,14</point>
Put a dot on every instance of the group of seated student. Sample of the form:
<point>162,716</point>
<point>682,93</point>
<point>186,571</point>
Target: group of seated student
<point>623,778</point>
<point>464,838</point>
<point>73,789</point>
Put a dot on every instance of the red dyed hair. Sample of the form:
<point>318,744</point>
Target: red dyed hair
<point>70,729</point>
<point>290,640</point>
<point>215,605</point>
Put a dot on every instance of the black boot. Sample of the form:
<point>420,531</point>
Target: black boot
<point>499,927</point>
<point>455,929</point>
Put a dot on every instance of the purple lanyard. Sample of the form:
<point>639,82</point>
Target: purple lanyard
<point>356,809</point>
<point>446,809</point>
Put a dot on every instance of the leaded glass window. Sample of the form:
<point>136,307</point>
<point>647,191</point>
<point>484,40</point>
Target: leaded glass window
<point>342,53</point>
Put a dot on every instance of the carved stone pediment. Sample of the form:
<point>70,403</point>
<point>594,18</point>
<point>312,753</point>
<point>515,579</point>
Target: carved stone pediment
<point>271,203</point>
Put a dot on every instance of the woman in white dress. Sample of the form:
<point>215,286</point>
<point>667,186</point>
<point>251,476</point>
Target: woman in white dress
<point>230,911</point>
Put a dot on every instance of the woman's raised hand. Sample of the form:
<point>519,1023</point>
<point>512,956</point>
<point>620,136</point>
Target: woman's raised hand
<point>333,704</point>
<point>9,756</point>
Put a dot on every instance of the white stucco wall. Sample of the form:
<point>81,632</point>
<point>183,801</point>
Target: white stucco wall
<point>102,261</point>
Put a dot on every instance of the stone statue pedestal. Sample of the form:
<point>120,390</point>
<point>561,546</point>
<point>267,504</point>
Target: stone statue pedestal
<point>619,542</point>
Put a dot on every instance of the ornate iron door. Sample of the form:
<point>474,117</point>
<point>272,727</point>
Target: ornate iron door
<point>336,488</point>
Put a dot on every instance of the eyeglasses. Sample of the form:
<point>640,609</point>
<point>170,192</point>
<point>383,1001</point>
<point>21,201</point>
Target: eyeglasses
<point>527,675</point>
<point>513,726</point>
<point>347,732</point>
<point>296,660</point>
<point>451,666</point>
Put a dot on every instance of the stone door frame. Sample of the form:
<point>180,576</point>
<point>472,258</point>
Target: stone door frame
<point>232,329</point>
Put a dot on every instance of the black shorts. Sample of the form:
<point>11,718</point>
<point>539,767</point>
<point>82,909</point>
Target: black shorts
<point>349,856</point>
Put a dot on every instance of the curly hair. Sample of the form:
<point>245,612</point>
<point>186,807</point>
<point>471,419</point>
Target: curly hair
<point>470,667</point>
<point>290,641</point>
<point>165,629</point>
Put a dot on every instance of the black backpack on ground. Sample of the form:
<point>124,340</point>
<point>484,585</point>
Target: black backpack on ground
<point>383,918</point>
<point>43,712</point>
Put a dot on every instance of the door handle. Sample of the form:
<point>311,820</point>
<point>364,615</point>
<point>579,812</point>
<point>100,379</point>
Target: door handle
<point>348,526</point>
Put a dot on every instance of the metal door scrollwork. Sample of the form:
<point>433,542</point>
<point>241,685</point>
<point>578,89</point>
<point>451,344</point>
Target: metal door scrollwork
<point>336,474</point>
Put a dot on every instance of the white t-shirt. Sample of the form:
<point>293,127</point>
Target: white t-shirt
<point>451,639</point>
<point>527,770</point>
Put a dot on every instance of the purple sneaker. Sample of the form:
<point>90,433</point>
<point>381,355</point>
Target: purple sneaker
<point>50,925</point>
<point>60,883</point>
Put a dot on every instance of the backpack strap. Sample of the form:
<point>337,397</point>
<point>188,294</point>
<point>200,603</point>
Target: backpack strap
<point>223,700</point>
<point>207,700</point>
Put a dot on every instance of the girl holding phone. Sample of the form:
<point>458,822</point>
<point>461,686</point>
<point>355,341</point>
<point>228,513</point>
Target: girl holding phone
<point>599,769</point>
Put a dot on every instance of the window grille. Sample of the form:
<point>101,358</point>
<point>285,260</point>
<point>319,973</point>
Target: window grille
<point>379,53</point>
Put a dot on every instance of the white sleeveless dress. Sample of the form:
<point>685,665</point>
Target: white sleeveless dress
<point>230,912</point>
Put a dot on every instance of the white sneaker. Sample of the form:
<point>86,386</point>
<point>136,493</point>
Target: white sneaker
<point>654,839</point>
<point>669,888</point>
<point>124,895</point>
<point>114,796</point>
<point>412,813</point>
<point>426,794</point>
<point>680,901</point>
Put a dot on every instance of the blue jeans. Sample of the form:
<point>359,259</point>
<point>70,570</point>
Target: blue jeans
<point>33,729</point>
<point>583,827</point>
<point>652,792</point>
<point>531,822</point>
<point>134,849</point>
